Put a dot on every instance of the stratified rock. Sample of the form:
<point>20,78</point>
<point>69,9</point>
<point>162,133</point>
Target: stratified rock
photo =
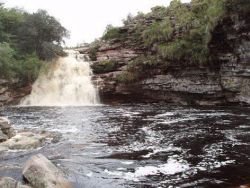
<point>6,182</point>
<point>39,172</point>
<point>226,80</point>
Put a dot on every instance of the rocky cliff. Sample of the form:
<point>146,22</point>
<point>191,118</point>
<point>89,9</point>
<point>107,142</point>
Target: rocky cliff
<point>224,81</point>
<point>11,92</point>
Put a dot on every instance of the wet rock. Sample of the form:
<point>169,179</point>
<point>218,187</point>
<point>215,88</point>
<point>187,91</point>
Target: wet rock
<point>2,149</point>
<point>6,182</point>
<point>25,140</point>
<point>30,140</point>
<point>244,186</point>
<point>6,130</point>
<point>3,137</point>
<point>39,172</point>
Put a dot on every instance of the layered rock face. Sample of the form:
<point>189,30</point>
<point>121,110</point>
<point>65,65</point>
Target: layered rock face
<point>234,53</point>
<point>226,82</point>
<point>11,93</point>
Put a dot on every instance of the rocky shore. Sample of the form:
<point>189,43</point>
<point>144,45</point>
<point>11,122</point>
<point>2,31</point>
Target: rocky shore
<point>38,171</point>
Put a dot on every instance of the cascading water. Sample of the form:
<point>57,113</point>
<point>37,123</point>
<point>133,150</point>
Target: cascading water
<point>66,83</point>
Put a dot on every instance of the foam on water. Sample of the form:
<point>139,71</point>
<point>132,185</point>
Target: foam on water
<point>170,168</point>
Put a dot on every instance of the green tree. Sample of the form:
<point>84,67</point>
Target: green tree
<point>40,31</point>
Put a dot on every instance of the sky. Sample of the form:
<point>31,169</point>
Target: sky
<point>86,20</point>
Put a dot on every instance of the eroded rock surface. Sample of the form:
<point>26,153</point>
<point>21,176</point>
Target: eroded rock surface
<point>6,130</point>
<point>29,140</point>
<point>39,172</point>
<point>6,182</point>
<point>224,81</point>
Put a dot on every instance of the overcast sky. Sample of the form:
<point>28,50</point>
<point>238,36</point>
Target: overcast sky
<point>87,19</point>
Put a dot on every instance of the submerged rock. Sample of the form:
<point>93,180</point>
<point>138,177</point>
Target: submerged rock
<point>6,182</point>
<point>39,172</point>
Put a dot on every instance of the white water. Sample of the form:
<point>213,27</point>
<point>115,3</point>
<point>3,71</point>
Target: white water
<point>66,83</point>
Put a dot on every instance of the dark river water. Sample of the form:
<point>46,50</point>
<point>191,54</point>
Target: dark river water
<point>139,145</point>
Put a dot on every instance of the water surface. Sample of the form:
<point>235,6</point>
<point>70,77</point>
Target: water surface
<point>139,145</point>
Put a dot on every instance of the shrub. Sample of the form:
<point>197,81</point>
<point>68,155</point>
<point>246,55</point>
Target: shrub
<point>7,60</point>
<point>139,68</point>
<point>28,69</point>
<point>126,77</point>
<point>104,66</point>
<point>93,53</point>
<point>157,32</point>
<point>25,69</point>
<point>111,33</point>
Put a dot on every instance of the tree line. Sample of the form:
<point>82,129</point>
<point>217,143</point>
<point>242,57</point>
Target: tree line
<point>27,41</point>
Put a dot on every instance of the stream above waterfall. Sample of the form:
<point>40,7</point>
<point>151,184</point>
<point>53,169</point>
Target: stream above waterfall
<point>139,145</point>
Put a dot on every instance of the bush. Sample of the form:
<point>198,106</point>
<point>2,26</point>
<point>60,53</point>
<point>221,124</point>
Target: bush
<point>28,69</point>
<point>104,66</point>
<point>93,53</point>
<point>111,33</point>
<point>157,32</point>
<point>7,60</point>
<point>25,69</point>
<point>126,77</point>
<point>139,68</point>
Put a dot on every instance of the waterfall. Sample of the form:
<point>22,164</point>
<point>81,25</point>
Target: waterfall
<point>67,82</point>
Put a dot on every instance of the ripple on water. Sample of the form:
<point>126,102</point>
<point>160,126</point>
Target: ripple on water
<point>142,145</point>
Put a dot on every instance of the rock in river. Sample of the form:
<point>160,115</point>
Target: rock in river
<point>29,140</point>
<point>6,130</point>
<point>39,172</point>
<point>24,140</point>
<point>6,182</point>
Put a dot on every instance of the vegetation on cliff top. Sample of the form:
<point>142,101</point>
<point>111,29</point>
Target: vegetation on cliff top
<point>180,33</point>
<point>26,41</point>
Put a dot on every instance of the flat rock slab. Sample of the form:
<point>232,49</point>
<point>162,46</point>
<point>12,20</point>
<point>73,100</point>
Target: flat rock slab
<point>29,140</point>
<point>39,172</point>
<point>25,140</point>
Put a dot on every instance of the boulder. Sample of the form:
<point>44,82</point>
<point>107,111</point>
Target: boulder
<point>6,182</point>
<point>3,137</point>
<point>6,127</point>
<point>39,172</point>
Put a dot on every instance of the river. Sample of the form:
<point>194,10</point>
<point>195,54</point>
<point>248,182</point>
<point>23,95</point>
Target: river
<point>139,145</point>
